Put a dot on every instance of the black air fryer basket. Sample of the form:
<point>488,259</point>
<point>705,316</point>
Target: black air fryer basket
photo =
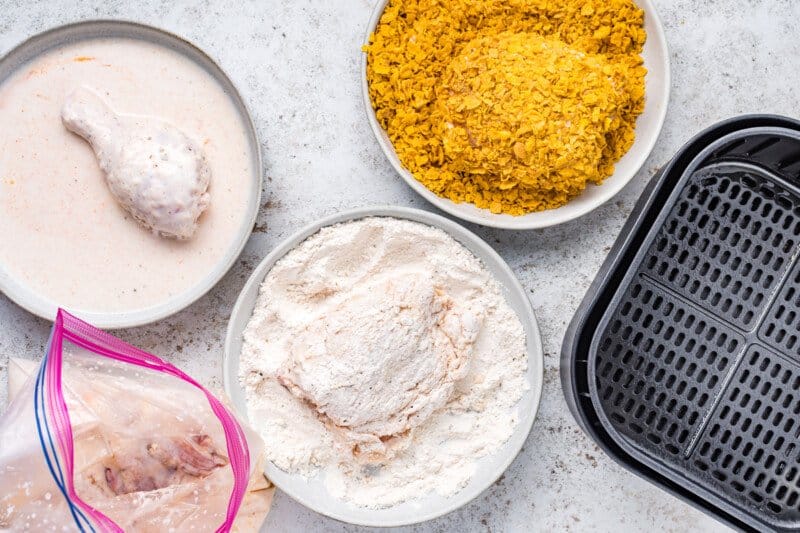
<point>683,361</point>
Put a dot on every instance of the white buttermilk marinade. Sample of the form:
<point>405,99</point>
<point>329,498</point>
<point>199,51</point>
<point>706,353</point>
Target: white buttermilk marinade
<point>62,234</point>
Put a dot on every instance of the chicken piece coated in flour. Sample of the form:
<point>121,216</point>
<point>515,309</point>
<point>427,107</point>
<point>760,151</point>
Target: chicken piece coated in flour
<point>382,361</point>
<point>154,170</point>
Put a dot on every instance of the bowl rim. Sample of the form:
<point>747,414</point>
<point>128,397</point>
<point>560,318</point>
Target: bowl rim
<point>463,236</point>
<point>41,306</point>
<point>503,221</point>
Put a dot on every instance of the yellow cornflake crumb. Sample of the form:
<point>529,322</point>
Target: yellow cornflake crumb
<point>513,105</point>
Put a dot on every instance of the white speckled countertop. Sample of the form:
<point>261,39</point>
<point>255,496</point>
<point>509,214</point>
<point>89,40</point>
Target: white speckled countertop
<point>296,64</point>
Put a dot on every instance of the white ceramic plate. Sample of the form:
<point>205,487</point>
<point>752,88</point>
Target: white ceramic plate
<point>38,304</point>
<point>312,493</point>
<point>648,127</point>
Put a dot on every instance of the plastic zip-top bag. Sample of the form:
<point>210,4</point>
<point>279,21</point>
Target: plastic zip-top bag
<point>106,437</point>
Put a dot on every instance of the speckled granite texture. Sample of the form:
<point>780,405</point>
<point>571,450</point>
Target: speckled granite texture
<point>296,64</point>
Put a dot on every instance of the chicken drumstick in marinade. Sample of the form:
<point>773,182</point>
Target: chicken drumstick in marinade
<point>154,170</point>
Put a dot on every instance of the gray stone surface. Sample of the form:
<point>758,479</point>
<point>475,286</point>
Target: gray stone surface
<point>296,63</point>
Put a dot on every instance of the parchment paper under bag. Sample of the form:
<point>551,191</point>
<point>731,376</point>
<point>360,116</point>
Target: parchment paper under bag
<point>106,437</point>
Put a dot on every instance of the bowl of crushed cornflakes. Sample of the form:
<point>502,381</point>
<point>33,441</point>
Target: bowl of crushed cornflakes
<point>516,115</point>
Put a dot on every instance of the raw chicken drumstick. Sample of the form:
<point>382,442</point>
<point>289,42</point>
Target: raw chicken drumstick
<point>155,171</point>
<point>163,463</point>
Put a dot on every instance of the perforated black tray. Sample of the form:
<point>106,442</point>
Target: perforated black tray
<point>683,361</point>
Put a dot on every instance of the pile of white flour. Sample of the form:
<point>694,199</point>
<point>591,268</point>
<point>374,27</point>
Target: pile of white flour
<point>327,269</point>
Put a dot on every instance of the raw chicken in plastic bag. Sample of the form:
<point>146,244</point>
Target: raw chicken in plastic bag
<point>106,437</point>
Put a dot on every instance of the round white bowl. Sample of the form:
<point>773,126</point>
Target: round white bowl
<point>648,127</point>
<point>312,492</point>
<point>44,307</point>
